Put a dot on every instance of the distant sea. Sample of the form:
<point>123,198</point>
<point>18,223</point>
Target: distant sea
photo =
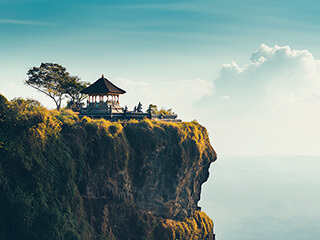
<point>264,198</point>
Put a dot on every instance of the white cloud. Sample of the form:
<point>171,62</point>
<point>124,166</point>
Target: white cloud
<point>272,105</point>
<point>274,75</point>
<point>22,22</point>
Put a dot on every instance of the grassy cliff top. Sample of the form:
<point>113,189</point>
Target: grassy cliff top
<point>39,124</point>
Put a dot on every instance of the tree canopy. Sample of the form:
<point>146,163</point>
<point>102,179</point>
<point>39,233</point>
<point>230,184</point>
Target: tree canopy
<point>72,88</point>
<point>153,109</point>
<point>54,81</point>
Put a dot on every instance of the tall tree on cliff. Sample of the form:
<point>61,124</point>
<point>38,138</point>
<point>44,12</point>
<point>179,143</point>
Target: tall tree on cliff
<point>54,81</point>
<point>49,79</point>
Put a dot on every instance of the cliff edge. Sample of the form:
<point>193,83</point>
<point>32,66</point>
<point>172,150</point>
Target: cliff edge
<point>62,177</point>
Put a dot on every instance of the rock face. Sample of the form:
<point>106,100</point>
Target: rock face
<point>62,177</point>
<point>156,174</point>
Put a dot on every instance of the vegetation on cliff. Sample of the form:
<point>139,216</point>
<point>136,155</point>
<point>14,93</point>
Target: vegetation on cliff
<point>62,177</point>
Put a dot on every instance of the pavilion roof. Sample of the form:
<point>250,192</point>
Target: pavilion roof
<point>103,85</point>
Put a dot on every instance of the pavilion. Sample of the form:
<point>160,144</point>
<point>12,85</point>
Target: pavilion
<point>101,89</point>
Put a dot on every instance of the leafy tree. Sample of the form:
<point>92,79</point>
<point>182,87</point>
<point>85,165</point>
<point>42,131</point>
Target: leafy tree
<point>154,110</point>
<point>54,81</point>
<point>49,79</point>
<point>72,88</point>
<point>166,111</point>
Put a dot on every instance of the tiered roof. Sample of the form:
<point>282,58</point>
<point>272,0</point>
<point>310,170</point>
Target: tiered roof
<point>103,85</point>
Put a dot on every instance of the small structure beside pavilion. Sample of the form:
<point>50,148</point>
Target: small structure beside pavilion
<point>104,102</point>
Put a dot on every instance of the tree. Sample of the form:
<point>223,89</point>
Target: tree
<point>139,108</point>
<point>53,80</point>
<point>72,88</point>
<point>153,109</point>
<point>166,112</point>
<point>49,79</point>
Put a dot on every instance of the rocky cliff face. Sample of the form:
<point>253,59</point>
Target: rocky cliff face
<point>124,180</point>
<point>154,171</point>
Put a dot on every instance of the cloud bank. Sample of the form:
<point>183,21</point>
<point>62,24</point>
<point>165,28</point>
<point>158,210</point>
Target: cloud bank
<point>274,76</point>
<point>270,105</point>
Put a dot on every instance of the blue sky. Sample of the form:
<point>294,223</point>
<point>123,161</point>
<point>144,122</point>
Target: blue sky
<point>176,54</point>
<point>200,34</point>
<point>135,32</point>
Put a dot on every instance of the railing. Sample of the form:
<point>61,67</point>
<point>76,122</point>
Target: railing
<point>114,114</point>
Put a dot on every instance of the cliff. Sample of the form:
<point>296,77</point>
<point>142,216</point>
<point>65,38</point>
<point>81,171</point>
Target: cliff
<point>62,177</point>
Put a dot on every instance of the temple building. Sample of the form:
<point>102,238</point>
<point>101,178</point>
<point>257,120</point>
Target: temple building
<point>103,94</point>
<point>104,102</point>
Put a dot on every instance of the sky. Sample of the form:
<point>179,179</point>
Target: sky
<point>247,70</point>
